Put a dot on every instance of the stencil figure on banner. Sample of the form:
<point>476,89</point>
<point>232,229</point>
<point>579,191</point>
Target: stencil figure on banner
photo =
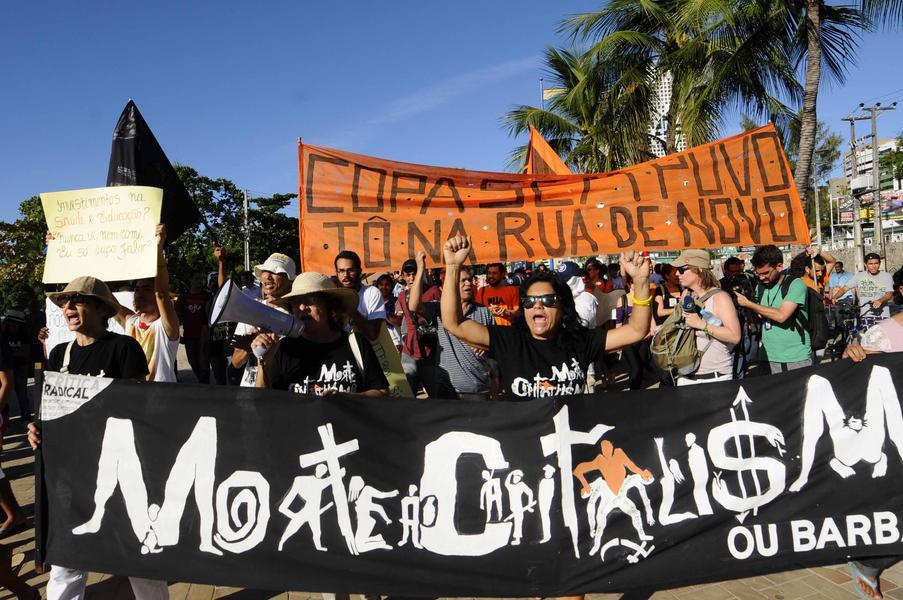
<point>711,314</point>
<point>885,336</point>
<point>781,305</point>
<point>459,370</point>
<point>88,304</point>
<point>419,347</point>
<point>275,275</point>
<point>546,353</point>
<point>325,359</point>
<point>192,307</point>
<point>371,311</point>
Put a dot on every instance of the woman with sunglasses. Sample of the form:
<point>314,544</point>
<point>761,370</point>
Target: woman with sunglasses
<point>546,352</point>
<point>715,342</point>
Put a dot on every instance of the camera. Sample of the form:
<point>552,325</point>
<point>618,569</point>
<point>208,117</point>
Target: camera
<point>741,284</point>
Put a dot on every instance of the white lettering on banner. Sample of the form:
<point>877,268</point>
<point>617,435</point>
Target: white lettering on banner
<point>614,488</point>
<point>440,460</point>
<point>156,526</point>
<point>856,438</point>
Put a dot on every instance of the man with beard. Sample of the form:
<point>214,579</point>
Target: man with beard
<point>371,310</point>
<point>275,275</point>
<point>502,300</point>
<point>785,342</point>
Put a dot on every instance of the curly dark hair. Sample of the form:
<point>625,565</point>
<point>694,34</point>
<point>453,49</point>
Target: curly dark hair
<point>570,323</point>
<point>898,283</point>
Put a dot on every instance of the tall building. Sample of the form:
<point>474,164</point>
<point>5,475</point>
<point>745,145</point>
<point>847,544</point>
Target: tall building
<point>859,171</point>
<point>658,126</point>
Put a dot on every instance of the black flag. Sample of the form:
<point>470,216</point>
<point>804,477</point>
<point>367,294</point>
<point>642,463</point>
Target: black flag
<point>137,159</point>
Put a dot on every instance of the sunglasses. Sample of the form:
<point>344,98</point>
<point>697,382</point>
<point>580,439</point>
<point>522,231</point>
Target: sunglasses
<point>548,301</point>
<point>73,298</point>
<point>682,270</point>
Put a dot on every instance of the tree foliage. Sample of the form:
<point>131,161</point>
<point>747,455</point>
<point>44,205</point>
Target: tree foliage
<point>221,204</point>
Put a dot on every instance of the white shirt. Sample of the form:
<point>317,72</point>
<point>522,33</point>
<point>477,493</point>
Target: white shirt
<point>371,303</point>
<point>163,359</point>
<point>586,305</point>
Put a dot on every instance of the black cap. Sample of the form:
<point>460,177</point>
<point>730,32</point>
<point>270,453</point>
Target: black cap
<point>872,256</point>
<point>409,265</point>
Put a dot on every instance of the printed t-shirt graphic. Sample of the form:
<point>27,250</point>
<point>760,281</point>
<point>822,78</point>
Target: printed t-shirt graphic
<point>506,296</point>
<point>307,367</point>
<point>533,368</point>
<point>872,287</point>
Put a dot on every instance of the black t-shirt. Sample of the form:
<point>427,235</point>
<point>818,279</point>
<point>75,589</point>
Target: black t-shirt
<point>532,368</point>
<point>306,367</point>
<point>6,359</point>
<point>668,301</point>
<point>113,355</point>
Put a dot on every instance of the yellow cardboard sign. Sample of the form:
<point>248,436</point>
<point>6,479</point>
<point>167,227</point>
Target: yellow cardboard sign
<point>109,233</point>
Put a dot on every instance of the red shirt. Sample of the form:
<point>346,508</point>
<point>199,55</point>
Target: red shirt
<point>192,309</point>
<point>410,345</point>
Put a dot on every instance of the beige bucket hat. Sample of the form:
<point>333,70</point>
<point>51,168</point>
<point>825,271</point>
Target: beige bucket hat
<point>318,283</point>
<point>87,286</point>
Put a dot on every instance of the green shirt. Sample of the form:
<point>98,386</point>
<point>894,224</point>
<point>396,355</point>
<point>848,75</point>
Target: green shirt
<point>788,341</point>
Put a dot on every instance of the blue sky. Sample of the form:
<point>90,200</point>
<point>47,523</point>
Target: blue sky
<point>229,86</point>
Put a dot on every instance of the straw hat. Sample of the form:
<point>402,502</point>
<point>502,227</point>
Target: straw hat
<point>87,286</point>
<point>317,283</point>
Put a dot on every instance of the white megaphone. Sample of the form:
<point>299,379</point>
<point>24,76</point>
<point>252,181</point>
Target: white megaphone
<point>231,304</point>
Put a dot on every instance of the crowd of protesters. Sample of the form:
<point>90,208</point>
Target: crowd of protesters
<point>533,333</point>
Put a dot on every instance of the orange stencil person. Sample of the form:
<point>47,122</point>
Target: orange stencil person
<point>610,490</point>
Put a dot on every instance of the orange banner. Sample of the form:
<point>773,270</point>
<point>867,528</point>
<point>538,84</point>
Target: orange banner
<point>541,159</point>
<point>736,191</point>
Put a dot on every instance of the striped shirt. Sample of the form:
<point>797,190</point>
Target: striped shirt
<point>458,366</point>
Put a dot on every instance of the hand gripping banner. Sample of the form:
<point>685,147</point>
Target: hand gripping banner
<point>737,191</point>
<point>265,489</point>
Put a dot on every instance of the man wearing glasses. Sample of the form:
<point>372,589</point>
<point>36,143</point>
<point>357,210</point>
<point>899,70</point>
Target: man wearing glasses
<point>371,310</point>
<point>785,340</point>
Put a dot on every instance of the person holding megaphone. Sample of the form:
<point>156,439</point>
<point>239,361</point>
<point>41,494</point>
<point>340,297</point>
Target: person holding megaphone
<point>325,359</point>
<point>275,275</point>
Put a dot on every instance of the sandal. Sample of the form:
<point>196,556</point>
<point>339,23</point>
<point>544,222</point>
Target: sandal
<point>858,576</point>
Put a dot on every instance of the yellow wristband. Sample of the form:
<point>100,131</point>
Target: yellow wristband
<point>638,302</point>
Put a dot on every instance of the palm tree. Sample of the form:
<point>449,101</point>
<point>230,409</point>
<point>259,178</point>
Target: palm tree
<point>598,121</point>
<point>825,35</point>
<point>719,55</point>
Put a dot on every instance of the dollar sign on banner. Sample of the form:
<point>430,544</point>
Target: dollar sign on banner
<point>743,400</point>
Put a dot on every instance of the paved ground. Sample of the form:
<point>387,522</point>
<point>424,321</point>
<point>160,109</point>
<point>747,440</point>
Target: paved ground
<point>823,582</point>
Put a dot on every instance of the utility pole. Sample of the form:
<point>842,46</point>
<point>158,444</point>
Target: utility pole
<point>831,211</point>
<point>247,232</point>
<point>542,95</point>
<point>857,224</point>
<point>876,175</point>
<point>817,215</point>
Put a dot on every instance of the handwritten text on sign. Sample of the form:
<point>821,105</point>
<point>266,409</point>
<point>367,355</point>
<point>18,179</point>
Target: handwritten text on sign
<point>104,232</point>
<point>736,191</point>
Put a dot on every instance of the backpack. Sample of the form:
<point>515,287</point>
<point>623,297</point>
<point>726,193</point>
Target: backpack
<point>674,347</point>
<point>816,320</point>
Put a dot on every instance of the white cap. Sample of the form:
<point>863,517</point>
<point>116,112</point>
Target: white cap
<point>277,263</point>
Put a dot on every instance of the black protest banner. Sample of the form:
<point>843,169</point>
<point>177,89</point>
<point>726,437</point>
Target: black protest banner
<point>266,489</point>
<point>136,158</point>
